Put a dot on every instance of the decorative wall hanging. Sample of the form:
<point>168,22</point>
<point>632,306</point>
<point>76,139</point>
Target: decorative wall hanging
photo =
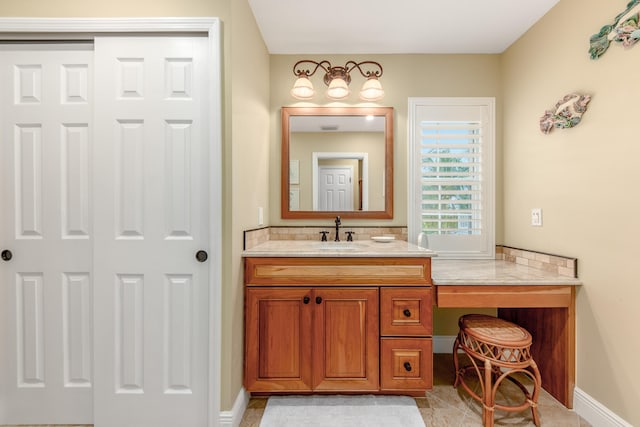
<point>567,113</point>
<point>624,30</point>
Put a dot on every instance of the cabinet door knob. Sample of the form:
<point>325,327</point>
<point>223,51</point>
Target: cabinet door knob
<point>407,366</point>
<point>306,300</point>
<point>318,300</point>
<point>407,312</point>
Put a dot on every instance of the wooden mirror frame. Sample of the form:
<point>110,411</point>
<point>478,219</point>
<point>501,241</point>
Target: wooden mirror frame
<point>287,112</point>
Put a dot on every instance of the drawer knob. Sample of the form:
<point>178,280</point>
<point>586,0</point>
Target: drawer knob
<point>407,366</point>
<point>306,300</point>
<point>407,312</point>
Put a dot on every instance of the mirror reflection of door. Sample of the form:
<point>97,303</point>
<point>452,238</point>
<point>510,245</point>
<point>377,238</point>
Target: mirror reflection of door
<point>357,196</point>
<point>338,138</point>
<point>335,188</point>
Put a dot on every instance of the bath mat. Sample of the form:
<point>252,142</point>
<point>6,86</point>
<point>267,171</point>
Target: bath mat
<point>341,411</point>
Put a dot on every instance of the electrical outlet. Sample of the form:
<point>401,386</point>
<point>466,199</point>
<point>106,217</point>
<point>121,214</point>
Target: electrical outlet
<point>536,217</point>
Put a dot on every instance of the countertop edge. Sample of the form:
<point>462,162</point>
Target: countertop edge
<point>507,282</point>
<point>336,254</point>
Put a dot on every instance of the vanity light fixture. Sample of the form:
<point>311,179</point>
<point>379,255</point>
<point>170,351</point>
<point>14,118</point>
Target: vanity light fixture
<point>337,79</point>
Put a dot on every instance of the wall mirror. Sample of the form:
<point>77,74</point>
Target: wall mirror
<point>337,161</point>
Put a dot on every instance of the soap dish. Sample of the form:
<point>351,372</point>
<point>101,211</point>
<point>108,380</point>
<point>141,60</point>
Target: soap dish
<point>383,239</point>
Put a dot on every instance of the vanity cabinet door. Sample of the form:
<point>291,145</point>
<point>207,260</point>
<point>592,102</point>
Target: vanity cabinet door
<point>345,339</point>
<point>278,339</point>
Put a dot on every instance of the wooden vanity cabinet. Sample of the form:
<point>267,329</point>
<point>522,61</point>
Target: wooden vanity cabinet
<point>338,325</point>
<point>303,339</point>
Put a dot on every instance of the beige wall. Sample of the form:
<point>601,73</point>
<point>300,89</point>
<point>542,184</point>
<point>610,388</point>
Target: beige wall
<point>583,180</point>
<point>114,8</point>
<point>245,85</point>
<point>248,188</point>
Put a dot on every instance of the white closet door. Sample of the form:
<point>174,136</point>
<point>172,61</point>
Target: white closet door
<point>45,225</point>
<point>151,218</point>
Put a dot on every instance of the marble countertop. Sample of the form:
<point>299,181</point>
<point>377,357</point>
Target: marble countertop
<point>444,272</point>
<point>355,249</point>
<point>493,272</point>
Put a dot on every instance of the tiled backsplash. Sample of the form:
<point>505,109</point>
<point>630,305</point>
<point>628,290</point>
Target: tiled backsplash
<point>565,266</point>
<point>255,237</point>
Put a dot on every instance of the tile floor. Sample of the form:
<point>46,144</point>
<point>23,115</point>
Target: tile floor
<point>445,406</point>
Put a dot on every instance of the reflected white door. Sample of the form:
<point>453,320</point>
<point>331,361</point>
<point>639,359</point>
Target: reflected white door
<point>45,226</point>
<point>335,188</point>
<point>151,183</point>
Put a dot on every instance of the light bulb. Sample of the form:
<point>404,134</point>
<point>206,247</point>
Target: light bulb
<point>303,88</point>
<point>338,89</point>
<point>372,90</point>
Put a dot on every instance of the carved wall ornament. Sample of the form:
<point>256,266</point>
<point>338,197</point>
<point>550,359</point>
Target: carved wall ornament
<point>624,30</point>
<point>567,113</point>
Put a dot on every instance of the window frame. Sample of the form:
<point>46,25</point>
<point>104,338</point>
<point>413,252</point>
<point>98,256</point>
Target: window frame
<point>455,246</point>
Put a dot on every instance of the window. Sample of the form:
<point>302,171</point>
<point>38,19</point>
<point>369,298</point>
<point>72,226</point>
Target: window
<point>451,175</point>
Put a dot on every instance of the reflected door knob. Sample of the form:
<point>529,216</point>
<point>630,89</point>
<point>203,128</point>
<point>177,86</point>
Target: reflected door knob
<point>7,255</point>
<point>202,256</point>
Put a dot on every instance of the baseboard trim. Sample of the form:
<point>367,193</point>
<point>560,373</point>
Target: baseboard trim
<point>233,417</point>
<point>443,343</point>
<point>594,412</point>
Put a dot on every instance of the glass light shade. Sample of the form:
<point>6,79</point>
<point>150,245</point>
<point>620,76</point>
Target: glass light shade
<point>338,89</point>
<point>371,90</point>
<point>303,88</point>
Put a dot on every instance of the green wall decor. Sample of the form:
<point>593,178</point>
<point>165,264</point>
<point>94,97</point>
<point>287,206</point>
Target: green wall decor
<point>624,30</point>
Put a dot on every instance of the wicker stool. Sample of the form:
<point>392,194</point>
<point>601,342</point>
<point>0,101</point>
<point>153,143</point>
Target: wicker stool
<point>497,349</point>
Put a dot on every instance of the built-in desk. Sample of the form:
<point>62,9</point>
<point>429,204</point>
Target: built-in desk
<point>540,301</point>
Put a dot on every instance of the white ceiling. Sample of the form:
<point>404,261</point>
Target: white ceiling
<point>394,26</point>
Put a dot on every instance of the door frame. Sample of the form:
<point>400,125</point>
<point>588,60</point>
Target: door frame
<point>70,29</point>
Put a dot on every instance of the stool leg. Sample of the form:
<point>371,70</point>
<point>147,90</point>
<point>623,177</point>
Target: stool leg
<point>487,395</point>
<point>537,382</point>
<point>456,345</point>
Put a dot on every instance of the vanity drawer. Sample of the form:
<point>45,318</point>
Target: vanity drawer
<point>406,311</point>
<point>331,271</point>
<point>406,364</point>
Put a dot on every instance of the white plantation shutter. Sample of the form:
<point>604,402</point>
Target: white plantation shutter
<point>451,175</point>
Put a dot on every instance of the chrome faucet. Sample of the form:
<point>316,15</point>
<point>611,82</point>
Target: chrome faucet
<point>337,221</point>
